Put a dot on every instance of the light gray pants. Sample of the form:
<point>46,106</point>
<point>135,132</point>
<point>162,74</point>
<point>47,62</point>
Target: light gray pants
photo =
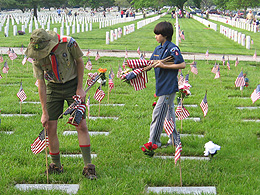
<point>164,108</point>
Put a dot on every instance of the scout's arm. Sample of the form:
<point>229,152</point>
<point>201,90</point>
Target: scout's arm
<point>170,65</point>
<point>43,99</point>
<point>80,71</point>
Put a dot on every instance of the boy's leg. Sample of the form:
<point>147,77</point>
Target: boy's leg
<point>158,117</point>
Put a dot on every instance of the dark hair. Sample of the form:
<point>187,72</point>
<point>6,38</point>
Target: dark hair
<point>165,29</point>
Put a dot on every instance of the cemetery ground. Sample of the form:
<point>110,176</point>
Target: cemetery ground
<point>121,166</point>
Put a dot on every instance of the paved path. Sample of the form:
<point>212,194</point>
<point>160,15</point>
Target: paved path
<point>134,54</point>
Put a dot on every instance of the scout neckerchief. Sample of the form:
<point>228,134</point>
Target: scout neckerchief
<point>54,61</point>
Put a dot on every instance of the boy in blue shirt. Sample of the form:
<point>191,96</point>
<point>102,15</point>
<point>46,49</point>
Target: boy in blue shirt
<point>166,80</point>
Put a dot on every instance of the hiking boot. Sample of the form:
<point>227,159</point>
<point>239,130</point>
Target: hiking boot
<point>90,172</point>
<point>54,169</point>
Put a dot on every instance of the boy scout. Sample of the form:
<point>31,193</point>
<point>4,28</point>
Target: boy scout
<point>59,61</point>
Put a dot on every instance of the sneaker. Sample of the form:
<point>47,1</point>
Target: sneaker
<point>90,172</point>
<point>54,169</point>
<point>166,145</point>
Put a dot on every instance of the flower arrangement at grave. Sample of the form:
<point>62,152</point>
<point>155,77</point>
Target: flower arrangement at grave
<point>149,148</point>
<point>184,91</point>
<point>20,32</point>
<point>102,78</point>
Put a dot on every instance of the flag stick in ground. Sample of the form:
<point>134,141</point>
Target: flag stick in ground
<point>181,112</point>
<point>99,103</point>
<point>180,172</point>
<point>46,155</point>
<point>108,94</point>
<point>20,107</point>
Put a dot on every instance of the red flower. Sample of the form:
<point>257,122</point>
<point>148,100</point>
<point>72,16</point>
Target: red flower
<point>148,145</point>
<point>154,147</point>
<point>143,149</point>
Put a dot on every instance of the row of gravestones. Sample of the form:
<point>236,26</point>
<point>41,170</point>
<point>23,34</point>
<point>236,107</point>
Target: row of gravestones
<point>73,188</point>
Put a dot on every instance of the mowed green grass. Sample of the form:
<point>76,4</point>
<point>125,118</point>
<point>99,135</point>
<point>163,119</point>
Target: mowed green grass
<point>122,168</point>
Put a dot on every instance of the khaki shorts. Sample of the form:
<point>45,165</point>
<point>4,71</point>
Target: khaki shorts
<point>56,94</point>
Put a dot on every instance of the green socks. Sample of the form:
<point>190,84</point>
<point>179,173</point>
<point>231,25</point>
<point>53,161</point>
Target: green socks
<point>85,149</point>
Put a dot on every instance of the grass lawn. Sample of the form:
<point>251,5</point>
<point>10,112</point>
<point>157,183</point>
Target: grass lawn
<point>122,168</point>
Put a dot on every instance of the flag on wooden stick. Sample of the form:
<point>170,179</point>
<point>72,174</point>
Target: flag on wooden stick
<point>178,148</point>
<point>240,81</point>
<point>99,95</point>
<point>256,94</point>
<point>40,143</point>
<point>181,112</point>
<point>5,68</point>
<point>204,105</point>
<point>21,94</point>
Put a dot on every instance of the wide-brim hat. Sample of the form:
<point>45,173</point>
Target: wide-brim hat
<point>41,43</point>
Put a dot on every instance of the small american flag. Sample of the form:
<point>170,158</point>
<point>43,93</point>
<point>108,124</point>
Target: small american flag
<point>204,105</point>
<point>112,74</point>
<point>12,55</point>
<point>181,112</point>
<point>186,78</point>
<point>88,65</point>
<point>254,56</point>
<point>88,52</point>
<point>6,67</point>
<point>99,95</point>
<point>119,71</point>
<point>217,74</point>
<point>237,62</point>
<point>30,60</point>
<point>9,51</point>
<point>24,60</point>
<point>138,50</point>
<point>256,94</point>
<point>123,65</point>
<point>207,53</point>
<point>97,56</point>
<point>223,60</point>
<point>240,81</point>
<point>36,83</point>
<point>182,35</point>
<point>110,83</point>
<point>21,94</point>
<point>228,64</point>
<point>215,68</point>
<point>181,79</point>
<point>168,126</point>
<point>22,49</point>
<point>194,68</point>
<point>178,148</point>
<point>139,82</point>
<point>40,143</point>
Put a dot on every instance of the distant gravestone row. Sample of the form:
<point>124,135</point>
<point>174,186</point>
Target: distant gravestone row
<point>236,36</point>
<point>206,22</point>
<point>239,23</point>
<point>116,33</point>
<point>70,24</point>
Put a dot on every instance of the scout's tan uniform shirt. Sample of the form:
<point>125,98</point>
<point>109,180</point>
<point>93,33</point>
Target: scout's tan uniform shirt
<point>66,53</point>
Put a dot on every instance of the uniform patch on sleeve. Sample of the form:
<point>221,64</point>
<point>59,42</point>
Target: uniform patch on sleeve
<point>174,49</point>
<point>72,42</point>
